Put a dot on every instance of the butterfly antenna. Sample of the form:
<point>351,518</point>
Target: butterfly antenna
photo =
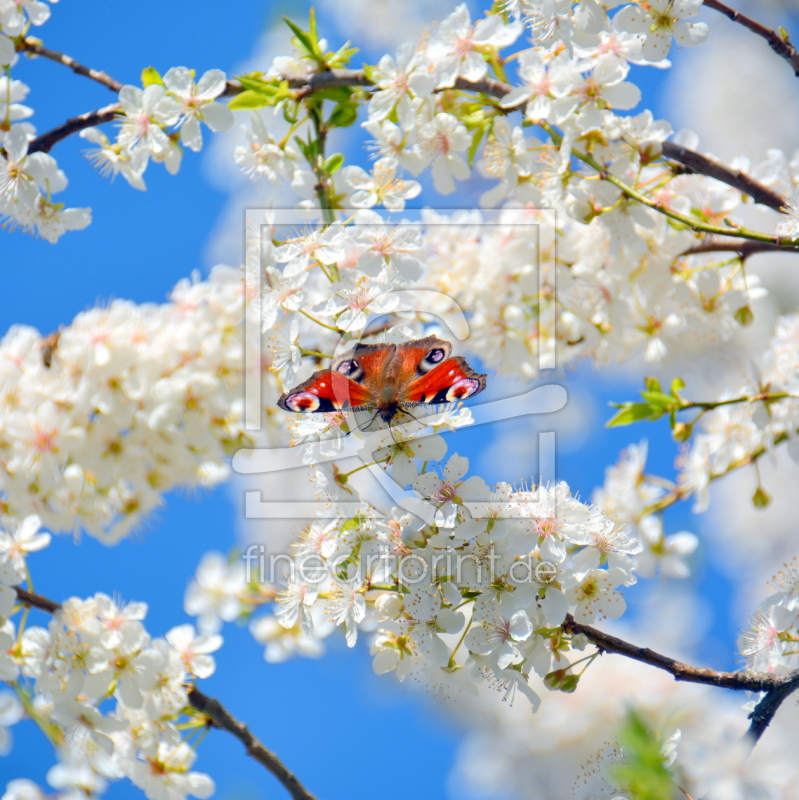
<point>360,427</point>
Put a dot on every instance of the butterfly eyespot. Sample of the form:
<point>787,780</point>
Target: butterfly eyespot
<point>346,367</point>
<point>302,401</point>
<point>433,357</point>
<point>351,368</point>
<point>462,389</point>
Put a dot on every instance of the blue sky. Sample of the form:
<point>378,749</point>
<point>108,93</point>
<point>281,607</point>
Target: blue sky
<point>344,731</point>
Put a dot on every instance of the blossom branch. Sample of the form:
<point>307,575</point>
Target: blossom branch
<point>36,600</point>
<point>739,681</point>
<point>777,687</point>
<point>318,81</point>
<point>685,219</point>
<point>696,162</point>
<point>743,249</point>
<point>216,713</point>
<point>35,47</point>
<point>781,45</point>
<point>46,141</point>
<point>220,718</point>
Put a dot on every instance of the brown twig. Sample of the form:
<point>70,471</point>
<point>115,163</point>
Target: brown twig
<point>35,47</point>
<point>696,162</point>
<point>36,600</point>
<point>216,713</point>
<point>776,687</point>
<point>90,119</point>
<point>766,709</point>
<point>744,249</point>
<point>222,719</point>
<point>781,46</point>
<point>741,681</point>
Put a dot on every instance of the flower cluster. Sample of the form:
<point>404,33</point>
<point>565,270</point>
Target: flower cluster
<point>627,278</point>
<point>628,497</point>
<point>28,177</point>
<point>761,415</point>
<point>654,23</point>
<point>769,644</point>
<point>702,733</point>
<point>480,592</point>
<point>175,101</point>
<point>123,405</point>
<point>106,693</point>
<point>112,697</point>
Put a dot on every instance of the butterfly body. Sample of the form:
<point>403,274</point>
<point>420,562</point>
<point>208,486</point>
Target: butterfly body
<point>387,379</point>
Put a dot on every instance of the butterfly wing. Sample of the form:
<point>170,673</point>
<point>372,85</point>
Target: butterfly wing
<point>387,377</point>
<point>451,380</point>
<point>349,384</point>
<point>326,390</point>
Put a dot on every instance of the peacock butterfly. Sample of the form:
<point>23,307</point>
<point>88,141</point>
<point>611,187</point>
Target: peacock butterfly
<point>387,378</point>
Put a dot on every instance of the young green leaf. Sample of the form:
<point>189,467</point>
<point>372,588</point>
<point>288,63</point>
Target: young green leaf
<point>343,115</point>
<point>333,163</point>
<point>250,99</point>
<point>149,76</point>
<point>643,773</point>
<point>633,412</point>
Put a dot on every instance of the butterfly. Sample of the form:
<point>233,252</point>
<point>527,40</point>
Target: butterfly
<point>387,379</point>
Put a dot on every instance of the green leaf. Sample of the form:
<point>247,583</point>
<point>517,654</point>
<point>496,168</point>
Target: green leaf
<point>309,149</point>
<point>312,24</point>
<point>477,137</point>
<point>149,76</point>
<point>343,115</point>
<point>333,163</point>
<point>339,94</point>
<point>257,85</point>
<point>342,56</point>
<point>633,412</point>
<point>677,385</point>
<point>302,37</point>
<point>353,523</point>
<point>658,400</point>
<point>250,99</point>
<point>643,773</point>
<point>652,385</point>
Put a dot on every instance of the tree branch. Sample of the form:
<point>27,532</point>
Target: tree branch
<point>36,600</point>
<point>766,709</point>
<point>221,718</point>
<point>696,162</point>
<point>35,47</point>
<point>740,681</point>
<point>781,46</point>
<point>776,687</point>
<point>693,161</point>
<point>46,141</point>
<point>216,713</point>
<point>742,248</point>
